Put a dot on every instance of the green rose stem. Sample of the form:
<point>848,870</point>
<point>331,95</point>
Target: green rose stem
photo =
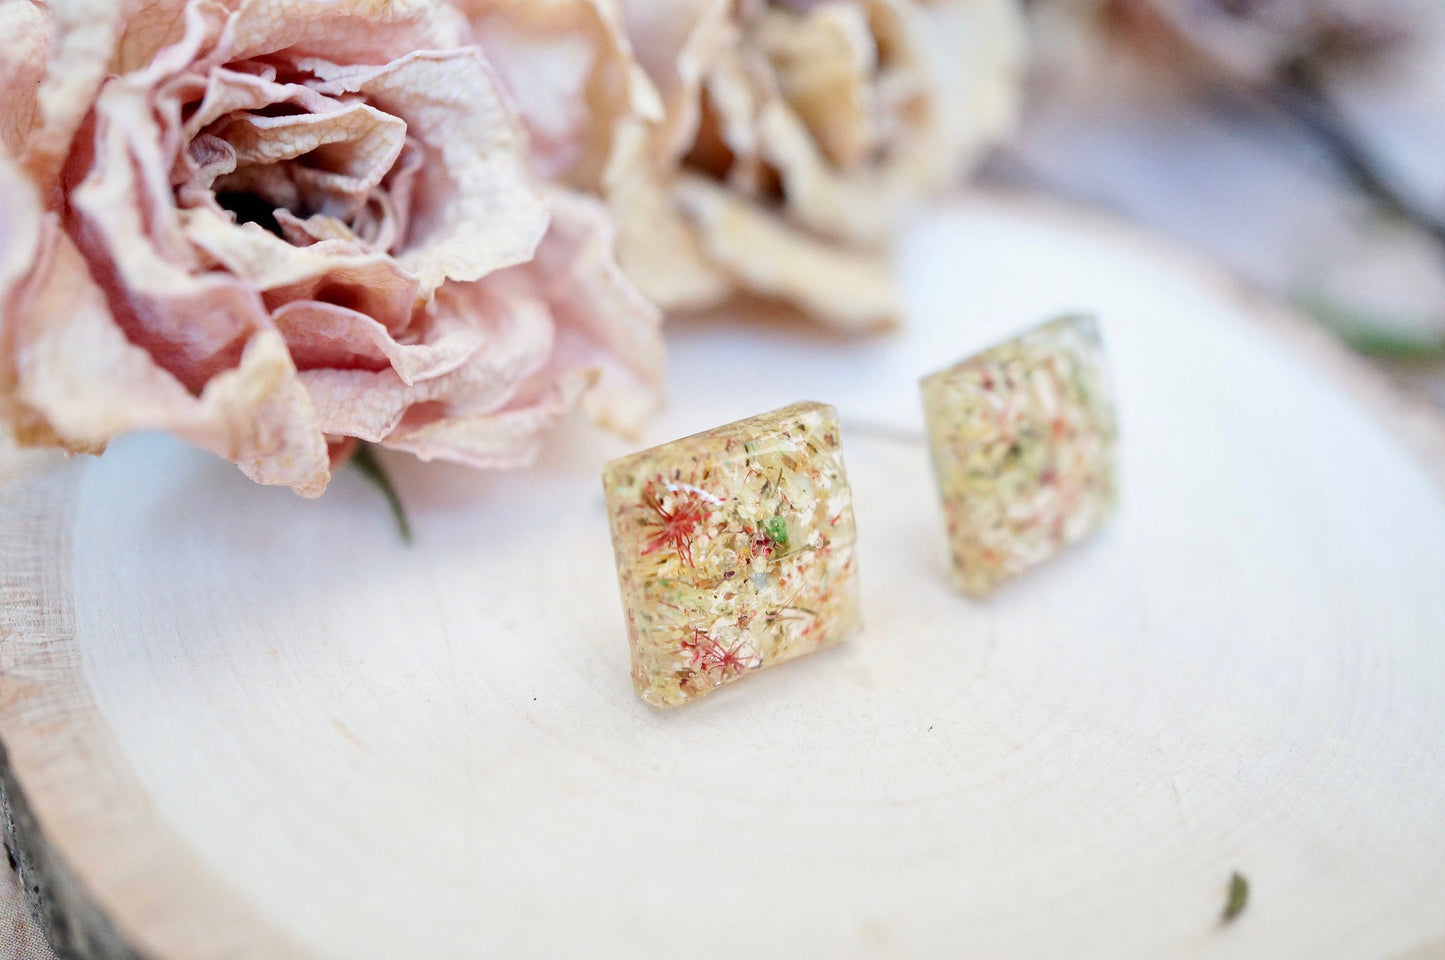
<point>365,460</point>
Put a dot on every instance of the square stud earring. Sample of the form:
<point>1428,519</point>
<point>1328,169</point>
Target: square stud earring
<point>1023,438</point>
<point>734,550</point>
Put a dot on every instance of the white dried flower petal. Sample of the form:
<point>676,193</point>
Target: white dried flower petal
<point>823,62</point>
<point>851,287</point>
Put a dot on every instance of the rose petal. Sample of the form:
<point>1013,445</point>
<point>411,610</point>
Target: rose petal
<point>323,335</point>
<point>314,229</point>
<point>570,71</point>
<point>505,439</point>
<point>970,55</point>
<point>735,94</point>
<point>515,334</point>
<point>546,74</point>
<point>823,61</point>
<point>350,150</point>
<point>860,207</point>
<point>20,213</point>
<point>19,247</point>
<point>82,38</point>
<point>676,42</point>
<point>26,29</point>
<point>658,248</point>
<point>194,323</point>
<point>76,368</point>
<point>343,31</point>
<point>852,287</point>
<point>494,218</point>
<point>603,321</point>
<point>332,270</point>
<point>159,40</point>
<point>231,91</point>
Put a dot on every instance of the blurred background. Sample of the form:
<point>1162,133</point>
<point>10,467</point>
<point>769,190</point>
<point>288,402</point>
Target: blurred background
<point>1298,142</point>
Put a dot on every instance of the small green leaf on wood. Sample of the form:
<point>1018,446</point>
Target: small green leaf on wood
<point>1238,896</point>
<point>365,459</point>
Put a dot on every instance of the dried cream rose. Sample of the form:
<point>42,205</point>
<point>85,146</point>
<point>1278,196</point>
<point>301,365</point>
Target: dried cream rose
<point>795,134</point>
<point>273,226</point>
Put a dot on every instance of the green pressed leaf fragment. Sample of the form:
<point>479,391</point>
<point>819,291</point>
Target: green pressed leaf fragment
<point>1238,896</point>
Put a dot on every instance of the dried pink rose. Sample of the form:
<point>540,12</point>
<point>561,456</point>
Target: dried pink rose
<point>795,135</point>
<point>273,226</point>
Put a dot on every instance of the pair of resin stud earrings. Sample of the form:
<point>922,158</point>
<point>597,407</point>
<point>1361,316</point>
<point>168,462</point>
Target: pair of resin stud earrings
<point>736,547</point>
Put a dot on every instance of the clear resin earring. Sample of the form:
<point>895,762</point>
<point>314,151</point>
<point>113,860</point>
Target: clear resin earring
<point>734,550</point>
<point>1023,438</point>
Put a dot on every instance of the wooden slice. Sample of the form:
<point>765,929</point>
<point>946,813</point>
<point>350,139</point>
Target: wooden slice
<point>241,724</point>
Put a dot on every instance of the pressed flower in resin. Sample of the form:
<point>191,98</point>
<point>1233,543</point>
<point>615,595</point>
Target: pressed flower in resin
<point>1023,438</point>
<point>734,550</point>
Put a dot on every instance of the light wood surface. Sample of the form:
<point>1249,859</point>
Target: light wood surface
<point>249,725</point>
